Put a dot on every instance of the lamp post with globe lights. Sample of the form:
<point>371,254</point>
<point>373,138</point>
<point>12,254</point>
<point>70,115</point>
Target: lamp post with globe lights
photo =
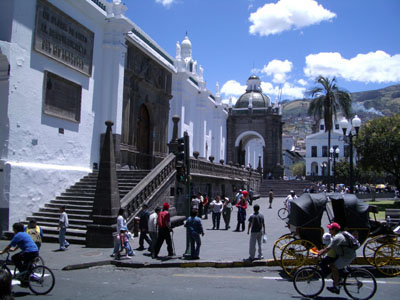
<point>334,153</point>
<point>323,167</point>
<point>356,124</point>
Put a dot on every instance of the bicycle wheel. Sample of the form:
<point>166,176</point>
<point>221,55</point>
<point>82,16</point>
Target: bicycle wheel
<point>280,244</point>
<point>38,261</point>
<point>309,282</point>
<point>387,259</point>
<point>5,268</point>
<point>360,284</point>
<point>283,213</point>
<point>41,280</point>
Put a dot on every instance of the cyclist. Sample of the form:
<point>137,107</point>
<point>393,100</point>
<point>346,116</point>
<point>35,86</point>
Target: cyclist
<point>344,254</point>
<point>29,250</point>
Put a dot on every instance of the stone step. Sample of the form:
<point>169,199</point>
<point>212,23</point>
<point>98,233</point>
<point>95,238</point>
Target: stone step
<point>71,211</point>
<point>71,231</point>
<point>61,202</point>
<point>75,198</point>
<point>56,215</point>
<point>54,225</point>
<point>54,220</point>
<point>69,206</point>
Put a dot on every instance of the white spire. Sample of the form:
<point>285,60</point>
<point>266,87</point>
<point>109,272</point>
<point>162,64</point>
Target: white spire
<point>186,47</point>
<point>217,90</point>
<point>178,51</point>
<point>230,101</point>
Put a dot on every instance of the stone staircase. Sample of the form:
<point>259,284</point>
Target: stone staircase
<point>281,188</point>
<point>78,200</point>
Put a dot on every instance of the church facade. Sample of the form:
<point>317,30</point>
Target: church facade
<point>201,113</point>
<point>66,67</point>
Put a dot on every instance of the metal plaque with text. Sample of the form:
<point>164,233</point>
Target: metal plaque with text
<point>62,38</point>
<point>62,98</point>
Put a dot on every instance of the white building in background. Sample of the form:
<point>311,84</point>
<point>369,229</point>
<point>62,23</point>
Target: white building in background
<point>201,113</point>
<point>317,151</point>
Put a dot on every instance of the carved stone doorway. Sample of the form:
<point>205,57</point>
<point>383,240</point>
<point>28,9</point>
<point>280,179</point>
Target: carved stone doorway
<point>143,136</point>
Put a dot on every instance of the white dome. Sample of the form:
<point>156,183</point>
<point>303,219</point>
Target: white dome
<point>186,48</point>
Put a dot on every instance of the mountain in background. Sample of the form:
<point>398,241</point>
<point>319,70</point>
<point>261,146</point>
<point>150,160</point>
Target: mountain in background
<point>367,105</point>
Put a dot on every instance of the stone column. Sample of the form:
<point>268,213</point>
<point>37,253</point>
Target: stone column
<point>107,200</point>
<point>173,144</point>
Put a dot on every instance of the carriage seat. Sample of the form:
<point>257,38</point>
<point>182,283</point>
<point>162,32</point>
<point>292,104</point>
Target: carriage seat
<point>393,213</point>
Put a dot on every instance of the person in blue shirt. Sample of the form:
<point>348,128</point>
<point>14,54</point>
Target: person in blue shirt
<point>195,228</point>
<point>23,241</point>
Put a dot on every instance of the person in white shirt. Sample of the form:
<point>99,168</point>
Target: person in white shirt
<point>217,207</point>
<point>62,226</point>
<point>152,227</point>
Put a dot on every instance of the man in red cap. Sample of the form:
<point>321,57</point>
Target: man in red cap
<point>164,229</point>
<point>344,254</point>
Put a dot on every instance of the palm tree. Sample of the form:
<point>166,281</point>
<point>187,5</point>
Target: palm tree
<point>328,98</point>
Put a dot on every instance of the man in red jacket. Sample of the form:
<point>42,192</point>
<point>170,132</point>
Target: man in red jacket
<point>164,229</point>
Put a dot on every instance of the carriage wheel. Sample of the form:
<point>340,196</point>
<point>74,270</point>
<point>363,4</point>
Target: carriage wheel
<point>280,244</point>
<point>369,249</point>
<point>374,243</point>
<point>295,255</point>
<point>387,259</point>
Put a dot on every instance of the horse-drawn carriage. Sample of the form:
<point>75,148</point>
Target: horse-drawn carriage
<point>297,248</point>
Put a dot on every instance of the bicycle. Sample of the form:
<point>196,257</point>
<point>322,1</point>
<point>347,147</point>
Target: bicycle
<point>38,278</point>
<point>358,283</point>
<point>283,212</point>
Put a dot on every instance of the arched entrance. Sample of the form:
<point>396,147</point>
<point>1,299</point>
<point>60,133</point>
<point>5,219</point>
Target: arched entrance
<point>143,137</point>
<point>249,145</point>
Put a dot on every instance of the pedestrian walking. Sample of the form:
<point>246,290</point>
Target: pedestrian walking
<point>271,197</point>
<point>194,228</point>
<point>124,243</point>
<point>195,203</point>
<point>121,221</point>
<point>226,213</point>
<point>152,226</point>
<point>257,229</point>
<point>143,228</point>
<point>217,207</point>
<point>62,227</point>
<point>204,200</point>
<point>241,214</point>
<point>164,229</point>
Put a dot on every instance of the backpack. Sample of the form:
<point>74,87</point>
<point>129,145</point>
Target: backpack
<point>34,233</point>
<point>352,242</point>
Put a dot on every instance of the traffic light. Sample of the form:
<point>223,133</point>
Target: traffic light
<point>180,154</point>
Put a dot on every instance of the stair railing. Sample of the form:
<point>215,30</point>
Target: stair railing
<point>148,187</point>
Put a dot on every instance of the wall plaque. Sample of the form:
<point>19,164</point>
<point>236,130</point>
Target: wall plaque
<point>62,98</point>
<point>62,38</point>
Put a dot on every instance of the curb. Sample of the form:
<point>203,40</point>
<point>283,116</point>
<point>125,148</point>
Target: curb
<point>190,264</point>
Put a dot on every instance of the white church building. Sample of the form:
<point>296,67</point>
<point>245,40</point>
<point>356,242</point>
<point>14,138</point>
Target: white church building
<point>201,113</point>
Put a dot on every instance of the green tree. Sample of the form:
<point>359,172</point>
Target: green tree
<point>378,145</point>
<point>328,99</point>
<point>299,169</point>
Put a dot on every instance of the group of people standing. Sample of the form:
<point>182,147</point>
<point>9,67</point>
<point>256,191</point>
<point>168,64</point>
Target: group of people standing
<point>155,228</point>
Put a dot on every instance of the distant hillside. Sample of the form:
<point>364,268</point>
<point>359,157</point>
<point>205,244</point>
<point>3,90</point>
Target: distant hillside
<point>367,105</point>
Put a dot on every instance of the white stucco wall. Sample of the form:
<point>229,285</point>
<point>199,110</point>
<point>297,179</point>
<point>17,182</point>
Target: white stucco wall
<point>39,162</point>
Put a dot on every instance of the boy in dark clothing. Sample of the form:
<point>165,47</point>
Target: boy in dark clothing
<point>144,228</point>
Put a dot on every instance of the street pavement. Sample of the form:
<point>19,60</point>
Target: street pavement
<point>221,248</point>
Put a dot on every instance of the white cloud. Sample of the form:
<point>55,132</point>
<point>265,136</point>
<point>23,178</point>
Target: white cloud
<point>233,88</point>
<point>278,69</point>
<point>274,18</point>
<point>377,67</point>
<point>166,3</point>
<point>302,82</point>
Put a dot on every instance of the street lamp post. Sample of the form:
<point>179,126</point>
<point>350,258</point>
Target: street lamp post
<point>355,123</point>
<point>323,166</point>
<point>334,153</point>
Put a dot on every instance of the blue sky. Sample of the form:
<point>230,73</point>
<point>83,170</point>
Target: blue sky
<point>287,43</point>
